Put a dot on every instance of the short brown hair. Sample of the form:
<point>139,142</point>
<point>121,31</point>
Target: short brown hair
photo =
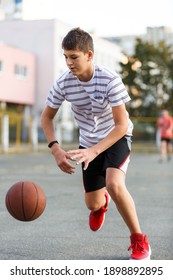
<point>78,39</point>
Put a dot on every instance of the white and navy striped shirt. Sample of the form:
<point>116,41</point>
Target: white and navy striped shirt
<point>91,102</point>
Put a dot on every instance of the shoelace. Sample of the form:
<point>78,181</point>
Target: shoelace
<point>136,246</point>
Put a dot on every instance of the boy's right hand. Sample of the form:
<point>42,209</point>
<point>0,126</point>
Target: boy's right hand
<point>62,159</point>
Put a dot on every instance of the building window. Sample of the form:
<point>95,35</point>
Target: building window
<point>21,71</point>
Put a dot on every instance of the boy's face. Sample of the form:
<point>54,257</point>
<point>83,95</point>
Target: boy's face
<point>79,63</point>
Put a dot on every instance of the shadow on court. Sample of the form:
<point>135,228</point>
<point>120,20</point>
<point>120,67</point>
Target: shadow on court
<point>62,232</point>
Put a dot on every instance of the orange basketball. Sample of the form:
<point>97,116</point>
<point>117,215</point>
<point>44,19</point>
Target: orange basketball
<point>25,201</point>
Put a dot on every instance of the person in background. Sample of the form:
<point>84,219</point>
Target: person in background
<point>98,97</point>
<point>165,128</point>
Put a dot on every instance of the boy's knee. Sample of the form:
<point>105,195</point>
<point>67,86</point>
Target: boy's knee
<point>95,200</point>
<point>93,205</point>
<point>115,189</point>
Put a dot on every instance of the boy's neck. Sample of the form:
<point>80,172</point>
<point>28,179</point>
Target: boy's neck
<point>87,75</point>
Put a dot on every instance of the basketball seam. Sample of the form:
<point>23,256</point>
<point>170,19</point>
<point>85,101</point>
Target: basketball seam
<point>36,203</point>
<point>23,208</point>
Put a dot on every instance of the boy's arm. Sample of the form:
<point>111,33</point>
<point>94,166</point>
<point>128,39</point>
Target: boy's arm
<point>121,125</point>
<point>61,157</point>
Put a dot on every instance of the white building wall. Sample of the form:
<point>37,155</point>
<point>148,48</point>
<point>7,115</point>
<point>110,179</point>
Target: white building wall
<point>43,38</point>
<point>107,54</point>
<point>60,30</point>
<point>156,34</point>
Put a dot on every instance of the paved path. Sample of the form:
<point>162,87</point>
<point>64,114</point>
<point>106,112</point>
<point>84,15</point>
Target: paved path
<point>62,231</point>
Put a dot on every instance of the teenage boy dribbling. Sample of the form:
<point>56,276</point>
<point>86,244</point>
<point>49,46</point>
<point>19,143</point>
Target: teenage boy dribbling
<point>98,98</point>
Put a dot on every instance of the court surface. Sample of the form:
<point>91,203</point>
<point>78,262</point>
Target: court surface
<point>62,232</point>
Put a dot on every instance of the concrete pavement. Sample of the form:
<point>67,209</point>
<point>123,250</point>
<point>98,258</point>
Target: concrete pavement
<point>62,232</point>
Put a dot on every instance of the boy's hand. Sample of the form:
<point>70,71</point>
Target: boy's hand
<point>84,155</point>
<point>62,159</point>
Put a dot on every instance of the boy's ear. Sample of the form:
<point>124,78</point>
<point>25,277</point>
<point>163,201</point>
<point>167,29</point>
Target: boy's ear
<point>90,55</point>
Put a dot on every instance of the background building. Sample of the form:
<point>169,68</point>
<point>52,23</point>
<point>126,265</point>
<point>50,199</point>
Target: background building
<point>43,39</point>
<point>153,35</point>
<point>29,27</point>
<point>17,76</point>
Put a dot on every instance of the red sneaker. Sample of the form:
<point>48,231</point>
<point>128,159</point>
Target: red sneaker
<point>140,247</point>
<point>96,218</point>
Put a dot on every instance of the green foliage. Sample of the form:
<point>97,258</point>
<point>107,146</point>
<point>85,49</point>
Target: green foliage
<point>148,75</point>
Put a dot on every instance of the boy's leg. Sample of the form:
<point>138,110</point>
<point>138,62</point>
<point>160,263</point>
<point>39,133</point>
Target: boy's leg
<point>97,202</point>
<point>169,149</point>
<point>115,184</point>
<point>163,150</point>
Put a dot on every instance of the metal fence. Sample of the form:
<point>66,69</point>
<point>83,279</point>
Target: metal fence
<point>17,130</point>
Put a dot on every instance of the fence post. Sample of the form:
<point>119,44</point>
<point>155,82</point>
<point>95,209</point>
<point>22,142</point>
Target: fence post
<point>34,133</point>
<point>5,133</point>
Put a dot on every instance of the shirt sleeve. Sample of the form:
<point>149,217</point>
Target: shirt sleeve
<point>55,96</point>
<point>116,92</point>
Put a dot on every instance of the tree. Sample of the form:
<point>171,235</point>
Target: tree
<point>148,75</point>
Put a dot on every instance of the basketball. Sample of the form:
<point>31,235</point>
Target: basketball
<point>25,201</point>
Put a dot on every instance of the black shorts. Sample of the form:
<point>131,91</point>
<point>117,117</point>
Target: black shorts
<point>167,140</point>
<point>116,156</point>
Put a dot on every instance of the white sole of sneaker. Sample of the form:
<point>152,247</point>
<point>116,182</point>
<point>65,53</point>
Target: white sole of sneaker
<point>145,259</point>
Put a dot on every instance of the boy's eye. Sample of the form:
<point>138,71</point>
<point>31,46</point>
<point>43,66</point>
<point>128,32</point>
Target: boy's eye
<point>72,57</point>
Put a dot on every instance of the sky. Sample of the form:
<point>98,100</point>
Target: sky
<point>105,18</point>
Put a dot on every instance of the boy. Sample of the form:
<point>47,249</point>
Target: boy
<point>98,98</point>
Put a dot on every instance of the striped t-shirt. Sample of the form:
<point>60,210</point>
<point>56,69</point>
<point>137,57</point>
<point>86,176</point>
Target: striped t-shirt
<point>91,102</point>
